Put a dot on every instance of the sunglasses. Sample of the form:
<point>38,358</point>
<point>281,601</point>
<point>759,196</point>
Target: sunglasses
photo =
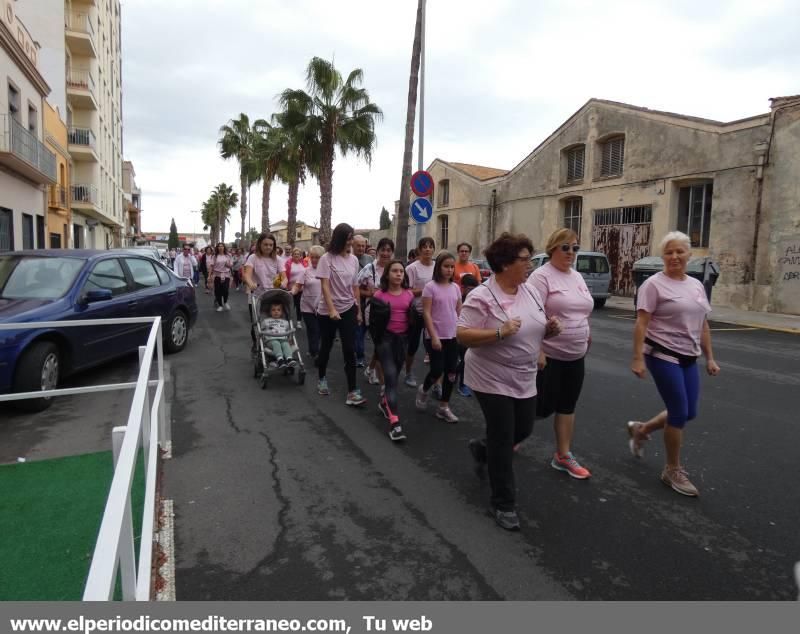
<point>567,247</point>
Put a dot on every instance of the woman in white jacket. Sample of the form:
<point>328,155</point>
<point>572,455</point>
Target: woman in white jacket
<point>185,263</point>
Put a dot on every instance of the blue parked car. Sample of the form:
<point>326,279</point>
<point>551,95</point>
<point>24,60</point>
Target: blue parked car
<point>62,285</point>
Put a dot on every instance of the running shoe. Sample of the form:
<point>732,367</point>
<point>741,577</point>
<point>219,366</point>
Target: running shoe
<point>384,408</point>
<point>465,391</point>
<point>359,363</point>
<point>373,377</point>
<point>322,387</point>
<point>446,414</point>
<point>227,306</point>
<point>355,398</point>
<point>281,362</point>
<point>422,398</point>
<point>292,363</point>
<point>396,433</point>
<point>568,463</point>
<point>508,520</point>
<point>437,391</point>
<point>635,443</point>
<point>678,480</point>
<point>410,380</point>
<point>220,309</point>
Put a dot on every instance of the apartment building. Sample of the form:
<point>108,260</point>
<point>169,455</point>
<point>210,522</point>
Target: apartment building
<point>81,57</point>
<point>133,205</point>
<point>622,176</point>
<point>59,213</point>
<point>27,167</point>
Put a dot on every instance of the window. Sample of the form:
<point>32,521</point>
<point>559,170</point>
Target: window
<point>27,231</point>
<point>623,215</point>
<point>575,161</point>
<point>107,275</point>
<point>444,193</point>
<point>162,274</point>
<point>33,120</point>
<point>55,240</point>
<point>144,275</point>
<point>37,278</point>
<point>591,264</point>
<point>694,212</point>
<point>40,233</point>
<point>573,210</point>
<point>443,231</point>
<point>613,155</point>
<point>6,230</point>
<point>14,104</point>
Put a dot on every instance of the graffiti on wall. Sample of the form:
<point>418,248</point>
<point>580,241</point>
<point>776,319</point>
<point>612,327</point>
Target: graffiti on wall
<point>787,276</point>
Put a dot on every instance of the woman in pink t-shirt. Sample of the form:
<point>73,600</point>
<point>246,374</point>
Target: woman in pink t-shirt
<point>260,270</point>
<point>561,366</point>
<point>219,275</point>
<point>670,333</point>
<point>339,309</point>
<point>503,324</point>
<point>392,346</point>
<point>309,288</point>
<point>441,305</point>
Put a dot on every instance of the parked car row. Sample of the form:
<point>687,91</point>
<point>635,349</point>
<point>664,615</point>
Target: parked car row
<point>64,285</point>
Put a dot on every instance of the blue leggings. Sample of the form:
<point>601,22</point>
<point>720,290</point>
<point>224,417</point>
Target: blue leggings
<point>679,389</point>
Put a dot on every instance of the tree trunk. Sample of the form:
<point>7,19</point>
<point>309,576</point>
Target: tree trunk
<point>267,185</point>
<point>401,247</point>
<point>221,217</point>
<point>326,191</point>
<point>243,206</point>
<point>291,224</point>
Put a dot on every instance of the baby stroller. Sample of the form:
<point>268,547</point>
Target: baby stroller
<point>264,355</point>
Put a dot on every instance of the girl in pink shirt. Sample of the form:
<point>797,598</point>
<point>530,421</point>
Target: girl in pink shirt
<point>294,270</point>
<point>219,275</point>
<point>671,330</point>
<point>339,309</point>
<point>392,346</point>
<point>561,367</point>
<point>441,305</point>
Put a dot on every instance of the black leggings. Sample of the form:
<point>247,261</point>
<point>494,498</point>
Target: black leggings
<point>392,354</point>
<point>221,290</point>
<point>443,362</point>
<point>509,421</point>
<point>297,316</point>
<point>347,331</point>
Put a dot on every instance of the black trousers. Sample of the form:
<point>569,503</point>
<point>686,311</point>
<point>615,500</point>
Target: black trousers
<point>312,332</point>
<point>392,355</point>
<point>221,290</point>
<point>509,421</point>
<point>442,362</point>
<point>297,316</point>
<point>347,331</point>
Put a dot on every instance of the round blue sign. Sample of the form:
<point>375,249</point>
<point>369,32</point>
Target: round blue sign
<point>421,210</point>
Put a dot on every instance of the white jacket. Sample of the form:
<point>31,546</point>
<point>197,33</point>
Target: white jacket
<point>178,266</point>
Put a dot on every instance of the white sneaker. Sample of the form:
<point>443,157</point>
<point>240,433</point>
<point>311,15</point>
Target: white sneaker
<point>220,309</point>
<point>373,377</point>
<point>445,413</point>
<point>422,398</point>
<point>227,306</point>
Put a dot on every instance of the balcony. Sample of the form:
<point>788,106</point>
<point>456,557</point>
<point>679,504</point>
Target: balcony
<point>82,144</point>
<point>59,198</point>
<point>85,196</point>
<point>80,34</point>
<point>23,153</point>
<point>81,89</point>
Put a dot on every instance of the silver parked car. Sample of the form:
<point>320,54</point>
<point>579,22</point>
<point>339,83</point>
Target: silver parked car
<point>594,268</point>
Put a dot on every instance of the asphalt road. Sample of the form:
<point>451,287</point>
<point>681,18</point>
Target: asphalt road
<point>285,495</point>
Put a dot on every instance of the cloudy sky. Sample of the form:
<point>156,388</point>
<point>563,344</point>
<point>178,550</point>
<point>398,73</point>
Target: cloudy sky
<point>501,76</point>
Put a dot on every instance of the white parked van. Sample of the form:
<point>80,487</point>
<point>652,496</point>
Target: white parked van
<point>594,268</point>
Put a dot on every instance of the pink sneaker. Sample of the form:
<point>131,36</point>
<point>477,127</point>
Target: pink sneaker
<point>569,464</point>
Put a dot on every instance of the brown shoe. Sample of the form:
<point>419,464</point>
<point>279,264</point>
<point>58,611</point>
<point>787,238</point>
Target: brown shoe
<point>678,479</point>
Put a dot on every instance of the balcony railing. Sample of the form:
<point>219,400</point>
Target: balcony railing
<point>24,144</point>
<point>80,78</point>
<point>80,22</point>
<point>58,196</point>
<point>81,136</point>
<point>84,194</point>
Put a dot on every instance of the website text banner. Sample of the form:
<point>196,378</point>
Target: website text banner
<point>399,618</point>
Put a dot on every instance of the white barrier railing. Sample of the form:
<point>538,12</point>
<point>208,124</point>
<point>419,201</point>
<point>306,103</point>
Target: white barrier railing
<point>147,427</point>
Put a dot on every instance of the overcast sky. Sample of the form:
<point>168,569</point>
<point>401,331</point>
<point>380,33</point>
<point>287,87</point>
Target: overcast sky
<point>501,76</point>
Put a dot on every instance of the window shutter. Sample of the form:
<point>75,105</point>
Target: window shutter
<point>613,157</point>
<point>575,164</point>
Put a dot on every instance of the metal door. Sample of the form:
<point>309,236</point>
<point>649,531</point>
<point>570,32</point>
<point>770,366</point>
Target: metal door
<point>623,245</point>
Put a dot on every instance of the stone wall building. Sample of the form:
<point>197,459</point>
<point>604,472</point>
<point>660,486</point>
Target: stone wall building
<point>623,176</point>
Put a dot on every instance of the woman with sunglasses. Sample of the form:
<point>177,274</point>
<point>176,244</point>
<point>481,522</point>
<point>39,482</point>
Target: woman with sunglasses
<point>503,323</point>
<point>561,360</point>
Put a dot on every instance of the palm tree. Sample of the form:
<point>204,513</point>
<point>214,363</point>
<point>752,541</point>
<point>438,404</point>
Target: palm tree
<point>268,146</point>
<point>237,142</point>
<point>339,115</point>
<point>208,214</point>
<point>225,199</point>
<point>401,246</point>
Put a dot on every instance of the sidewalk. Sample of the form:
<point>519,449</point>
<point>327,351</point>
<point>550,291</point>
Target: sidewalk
<point>767,321</point>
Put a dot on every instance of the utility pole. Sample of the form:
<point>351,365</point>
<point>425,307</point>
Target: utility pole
<point>420,164</point>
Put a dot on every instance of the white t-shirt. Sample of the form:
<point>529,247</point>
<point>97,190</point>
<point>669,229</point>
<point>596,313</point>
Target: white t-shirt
<point>418,275</point>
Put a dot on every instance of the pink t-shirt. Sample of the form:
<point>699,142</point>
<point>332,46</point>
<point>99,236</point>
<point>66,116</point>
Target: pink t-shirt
<point>418,276</point>
<point>342,273</point>
<point>444,303</point>
<point>312,290</point>
<point>398,305</point>
<point>506,367</point>
<point>220,266</point>
<point>678,310</point>
<point>264,269</point>
<point>296,272</point>
<point>565,296</point>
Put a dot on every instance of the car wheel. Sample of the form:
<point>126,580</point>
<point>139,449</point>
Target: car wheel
<point>599,303</point>
<point>177,332</point>
<point>38,369</point>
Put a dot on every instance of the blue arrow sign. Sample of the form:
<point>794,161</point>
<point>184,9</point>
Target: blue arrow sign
<point>421,210</point>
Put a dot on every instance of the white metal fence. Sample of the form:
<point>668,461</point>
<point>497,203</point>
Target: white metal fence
<point>147,427</point>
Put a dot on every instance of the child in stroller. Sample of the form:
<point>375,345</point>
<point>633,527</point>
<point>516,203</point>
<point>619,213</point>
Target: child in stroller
<point>276,329</point>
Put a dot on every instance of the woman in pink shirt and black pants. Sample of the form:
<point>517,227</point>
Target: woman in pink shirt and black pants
<point>670,333</point>
<point>566,297</point>
<point>503,324</point>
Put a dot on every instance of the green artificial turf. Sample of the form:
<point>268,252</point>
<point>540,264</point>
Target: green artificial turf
<point>50,513</point>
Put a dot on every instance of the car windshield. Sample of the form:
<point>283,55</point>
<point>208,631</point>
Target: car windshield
<point>592,264</point>
<point>31,277</point>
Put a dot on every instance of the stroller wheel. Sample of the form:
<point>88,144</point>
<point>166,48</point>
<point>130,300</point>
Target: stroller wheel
<point>264,382</point>
<point>301,377</point>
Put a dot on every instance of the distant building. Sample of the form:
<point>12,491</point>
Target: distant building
<point>133,205</point>
<point>59,202</point>
<point>306,235</point>
<point>623,176</point>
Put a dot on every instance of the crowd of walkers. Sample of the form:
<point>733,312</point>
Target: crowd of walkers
<point>517,341</point>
